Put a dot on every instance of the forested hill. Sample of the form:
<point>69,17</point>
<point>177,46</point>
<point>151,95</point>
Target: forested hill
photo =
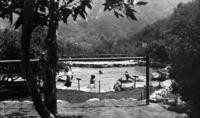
<point>168,37</point>
<point>101,26</point>
<point>102,32</point>
<point>106,23</point>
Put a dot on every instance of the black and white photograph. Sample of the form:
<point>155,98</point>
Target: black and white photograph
<point>99,59</point>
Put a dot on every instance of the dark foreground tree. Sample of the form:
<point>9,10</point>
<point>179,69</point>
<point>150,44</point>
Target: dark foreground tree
<point>180,35</point>
<point>48,13</point>
<point>186,54</point>
<point>52,58</point>
<point>27,28</point>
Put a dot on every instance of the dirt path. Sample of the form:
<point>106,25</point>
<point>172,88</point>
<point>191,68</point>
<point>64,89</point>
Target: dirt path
<point>125,108</point>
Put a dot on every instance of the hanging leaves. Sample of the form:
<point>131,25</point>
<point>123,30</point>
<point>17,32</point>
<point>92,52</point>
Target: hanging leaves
<point>117,14</point>
<point>19,21</point>
<point>141,3</point>
<point>126,7</point>
<point>67,8</point>
<point>69,1</point>
<point>65,12</point>
<point>130,13</point>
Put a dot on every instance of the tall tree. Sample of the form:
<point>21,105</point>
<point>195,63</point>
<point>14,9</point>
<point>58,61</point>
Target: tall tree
<point>52,58</point>
<point>27,28</point>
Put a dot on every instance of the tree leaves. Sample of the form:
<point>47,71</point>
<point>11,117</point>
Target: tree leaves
<point>126,7</point>
<point>118,14</point>
<point>74,8</point>
<point>19,21</point>
<point>40,19</point>
<point>69,1</point>
<point>65,12</point>
<point>86,3</point>
<point>112,4</point>
<point>130,13</point>
<point>141,3</point>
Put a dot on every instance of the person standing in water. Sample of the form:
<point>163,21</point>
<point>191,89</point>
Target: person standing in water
<point>100,72</point>
<point>69,77</point>
<point>69,63</point>
<point>92,81</point>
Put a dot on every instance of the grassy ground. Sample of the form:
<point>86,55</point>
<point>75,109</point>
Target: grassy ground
<point>74,96</point>
<point>111,105</point>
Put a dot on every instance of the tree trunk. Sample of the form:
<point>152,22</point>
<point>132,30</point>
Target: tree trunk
<point>26,66</point>
<point>51,65</point>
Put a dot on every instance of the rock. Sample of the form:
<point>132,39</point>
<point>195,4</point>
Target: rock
<point>93,100</point>
<point>179,102</point>
<point>166,83</point>
<point>132,99</point>
<point>159,95</point>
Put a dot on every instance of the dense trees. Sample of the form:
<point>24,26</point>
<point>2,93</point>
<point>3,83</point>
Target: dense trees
<point>9,44</point>
<point>186,54</point>
<point>177,38</point>
<point>10,49</point>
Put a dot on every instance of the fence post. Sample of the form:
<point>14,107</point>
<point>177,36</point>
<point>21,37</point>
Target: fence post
<point>42,77</point>
<point>99,86</point>
<point>135,82</point>
<point>141,95</point>
<point>78,83</point>
<point>147,80</point>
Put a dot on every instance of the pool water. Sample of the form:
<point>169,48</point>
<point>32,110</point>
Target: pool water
<point>107,79</point>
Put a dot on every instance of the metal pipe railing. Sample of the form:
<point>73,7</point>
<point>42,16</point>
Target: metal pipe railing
<point>102,59</point>
<point>80,59</point>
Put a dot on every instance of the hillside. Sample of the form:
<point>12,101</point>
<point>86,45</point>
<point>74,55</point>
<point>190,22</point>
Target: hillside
<point>105,23</point>
<point>100,22</point>
<point>103,32</point>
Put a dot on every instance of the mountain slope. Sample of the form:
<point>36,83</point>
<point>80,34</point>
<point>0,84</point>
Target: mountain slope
<point>105,23</point>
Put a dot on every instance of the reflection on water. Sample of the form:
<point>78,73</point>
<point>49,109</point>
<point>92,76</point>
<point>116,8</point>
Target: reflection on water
<point>107,79</point>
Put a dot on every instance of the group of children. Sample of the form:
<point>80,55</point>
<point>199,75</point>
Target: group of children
<point>117,86</point>
<point>69,77</point>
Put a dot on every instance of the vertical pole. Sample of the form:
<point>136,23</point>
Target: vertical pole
<point>78,84</point>
<point>147,80</point>
<point>99,86</point>
<point>135,82</point>
<point>141,97</point>
<point>42,71</point>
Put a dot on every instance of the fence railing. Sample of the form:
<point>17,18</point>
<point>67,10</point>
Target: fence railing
<point>94,55</point>
<point>80,59</point>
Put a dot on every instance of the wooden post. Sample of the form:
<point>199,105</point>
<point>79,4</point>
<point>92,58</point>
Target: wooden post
<point>99,86</point>
<point>147,80</point>
<point>141,97</point>
<point>135,83</point>
<point>78,83</point>
<point>135,80</point>
<point>42,71</point>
